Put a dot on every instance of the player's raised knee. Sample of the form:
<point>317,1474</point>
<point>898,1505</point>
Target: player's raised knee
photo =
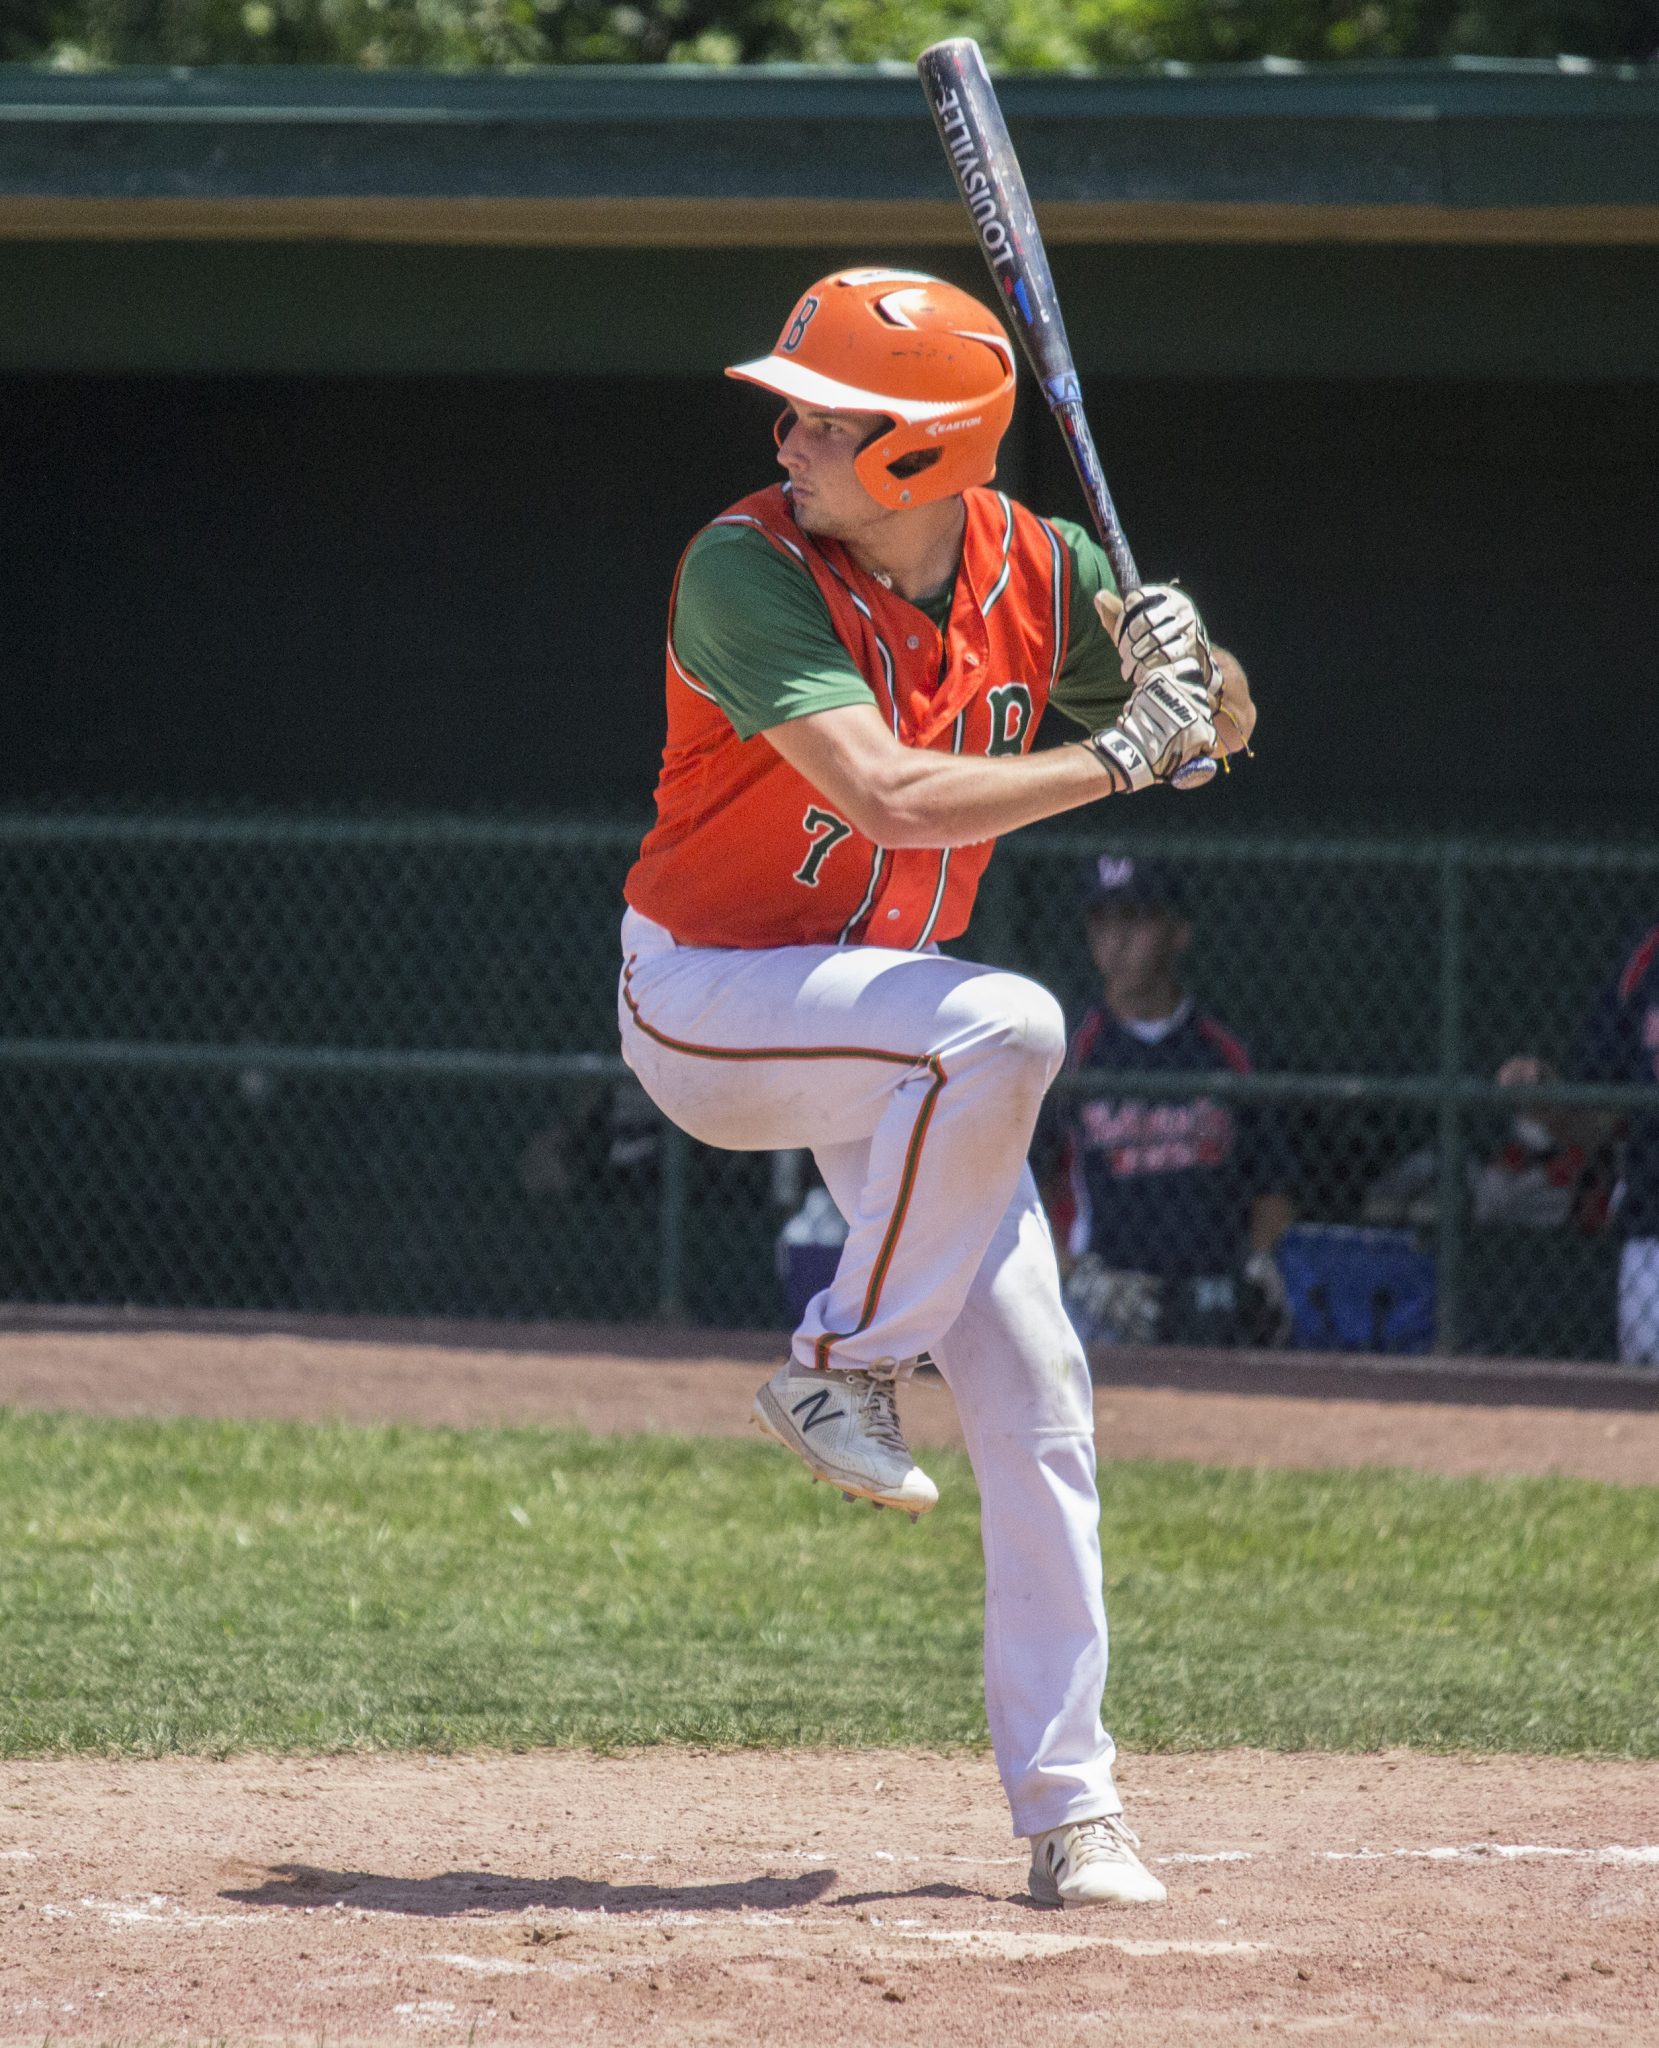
<point>1045,1029</point>
<point>1034,1025</point>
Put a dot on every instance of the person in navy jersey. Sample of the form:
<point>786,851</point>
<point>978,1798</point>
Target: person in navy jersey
<point>1169,1207</point>
<point>1621,1043</point>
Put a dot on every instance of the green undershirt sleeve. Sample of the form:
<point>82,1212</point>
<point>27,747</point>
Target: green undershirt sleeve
<point>752,631</point>
<point>1090,686</point>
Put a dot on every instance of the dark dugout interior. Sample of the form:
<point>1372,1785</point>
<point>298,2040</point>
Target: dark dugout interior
<point>448,592</point>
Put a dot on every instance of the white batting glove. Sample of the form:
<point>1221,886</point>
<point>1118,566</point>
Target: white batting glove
<point>1162,734</point>
<point>1154,627</point>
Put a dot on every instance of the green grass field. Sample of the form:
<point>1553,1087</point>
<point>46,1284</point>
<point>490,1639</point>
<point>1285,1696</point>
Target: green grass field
<point>205,1587</point>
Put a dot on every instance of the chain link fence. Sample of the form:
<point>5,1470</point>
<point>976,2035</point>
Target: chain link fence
<point>370,1067</point>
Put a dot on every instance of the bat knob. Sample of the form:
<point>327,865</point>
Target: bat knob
<point>1195,773</point>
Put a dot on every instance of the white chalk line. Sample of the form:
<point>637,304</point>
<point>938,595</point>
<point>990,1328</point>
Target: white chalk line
<point>431,2012</point>
<point>885,1856</point>
<point>1480,1852</point>
<point>1007,1944</point>
<point>1448,1853</point>
<point>492,1966</point>
<point>1014,1946</point>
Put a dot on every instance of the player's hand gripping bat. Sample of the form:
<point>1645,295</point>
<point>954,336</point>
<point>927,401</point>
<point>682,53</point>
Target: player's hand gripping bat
<point>987,173</point>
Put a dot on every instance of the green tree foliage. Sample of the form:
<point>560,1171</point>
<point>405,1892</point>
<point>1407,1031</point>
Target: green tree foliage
<point>1036,34</point>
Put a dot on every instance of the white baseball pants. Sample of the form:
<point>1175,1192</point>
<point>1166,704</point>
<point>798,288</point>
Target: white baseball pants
<point>916,1080</point>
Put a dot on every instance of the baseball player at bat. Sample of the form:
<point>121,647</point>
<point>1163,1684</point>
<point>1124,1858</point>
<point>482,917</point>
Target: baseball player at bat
<point>858,658</point>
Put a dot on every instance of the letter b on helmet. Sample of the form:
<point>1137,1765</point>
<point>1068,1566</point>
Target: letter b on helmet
<point>795,332</point>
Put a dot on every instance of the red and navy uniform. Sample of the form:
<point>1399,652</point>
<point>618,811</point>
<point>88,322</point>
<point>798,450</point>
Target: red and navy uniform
<point>1622,1044</point>
<point>1165,1187</point>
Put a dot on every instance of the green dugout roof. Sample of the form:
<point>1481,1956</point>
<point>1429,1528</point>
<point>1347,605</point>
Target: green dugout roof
<point>1464,153</point>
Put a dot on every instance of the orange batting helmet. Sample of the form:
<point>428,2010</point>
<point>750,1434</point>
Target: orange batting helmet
<point>935,361</point>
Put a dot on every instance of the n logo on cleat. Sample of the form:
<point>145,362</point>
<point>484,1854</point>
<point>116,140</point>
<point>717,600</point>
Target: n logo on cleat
<point>816,1402</point>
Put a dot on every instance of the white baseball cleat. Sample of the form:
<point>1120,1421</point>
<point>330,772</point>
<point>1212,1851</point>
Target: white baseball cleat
<point>1092,1863</point>
<point>845,1428</point>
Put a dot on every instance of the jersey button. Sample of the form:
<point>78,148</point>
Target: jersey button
<point>910,640</point>
<point>891,915</point>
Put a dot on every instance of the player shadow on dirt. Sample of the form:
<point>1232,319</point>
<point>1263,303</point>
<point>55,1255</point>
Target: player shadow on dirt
<point>895,1897</point>
<point>309,1888</point>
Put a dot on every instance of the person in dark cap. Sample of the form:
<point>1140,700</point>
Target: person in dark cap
<point>1171,1204</point>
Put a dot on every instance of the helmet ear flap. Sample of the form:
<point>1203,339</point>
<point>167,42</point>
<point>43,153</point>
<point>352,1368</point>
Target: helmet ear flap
<point>889,464</point>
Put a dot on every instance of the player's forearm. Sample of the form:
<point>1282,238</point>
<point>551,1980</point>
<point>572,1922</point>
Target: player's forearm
<point>1589,1129</point>
<point>902,796</point>
<point>947,800</point>
<point>929,799</point>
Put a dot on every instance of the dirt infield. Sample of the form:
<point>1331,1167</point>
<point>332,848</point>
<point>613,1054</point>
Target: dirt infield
<point>668,1896</point>
<point>1245,1412</point>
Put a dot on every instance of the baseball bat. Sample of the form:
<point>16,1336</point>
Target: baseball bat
<point>988,176</point>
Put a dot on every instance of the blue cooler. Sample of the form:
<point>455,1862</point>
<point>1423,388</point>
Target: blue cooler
<point>1357,1290</point>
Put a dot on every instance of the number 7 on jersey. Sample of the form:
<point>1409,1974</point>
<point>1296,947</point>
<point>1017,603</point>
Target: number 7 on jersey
<point>825,830</point>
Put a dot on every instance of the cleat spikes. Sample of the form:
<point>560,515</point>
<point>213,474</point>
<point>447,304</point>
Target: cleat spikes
<point>849,1496</point>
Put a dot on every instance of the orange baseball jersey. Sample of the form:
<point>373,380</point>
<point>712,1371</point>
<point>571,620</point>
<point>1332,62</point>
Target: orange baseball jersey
<point>745,852</point>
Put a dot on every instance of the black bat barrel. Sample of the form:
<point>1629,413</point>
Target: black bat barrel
<point>987,172</point>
